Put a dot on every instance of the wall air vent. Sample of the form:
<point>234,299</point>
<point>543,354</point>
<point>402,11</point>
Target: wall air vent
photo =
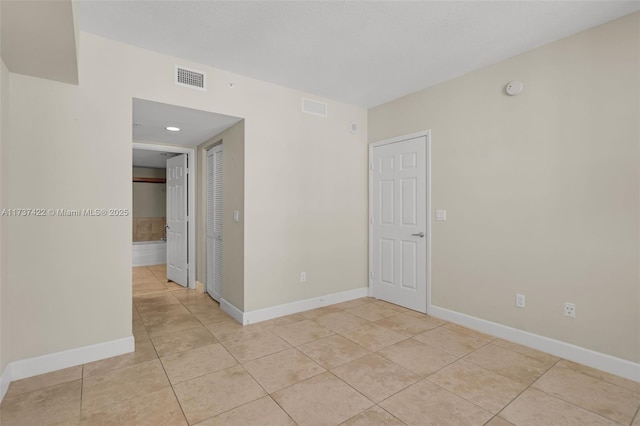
<point>190,78</point>
<point>314,107</point>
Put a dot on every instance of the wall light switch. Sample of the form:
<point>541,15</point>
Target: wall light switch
<point>236,216</point>
<point>441,215</point>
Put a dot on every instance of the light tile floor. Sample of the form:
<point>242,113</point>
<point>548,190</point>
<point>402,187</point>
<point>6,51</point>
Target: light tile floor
<point>362,362</point>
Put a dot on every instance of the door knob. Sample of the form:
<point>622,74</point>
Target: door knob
<point>419,234</point>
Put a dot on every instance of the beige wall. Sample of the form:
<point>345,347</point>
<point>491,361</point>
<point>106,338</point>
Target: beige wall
<point>542,189</point>
<point>305,194</point>
<point>4,125</point>
<point>305,205</point>
<point>233,199</point>
<point>149,199</point>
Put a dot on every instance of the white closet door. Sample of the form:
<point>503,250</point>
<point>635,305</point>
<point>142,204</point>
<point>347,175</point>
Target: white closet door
<point>214,222</point>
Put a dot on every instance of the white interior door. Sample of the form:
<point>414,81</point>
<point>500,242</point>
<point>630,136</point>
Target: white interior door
<point>177,219</point>
<point>399,222</point>
<point>214,221</point>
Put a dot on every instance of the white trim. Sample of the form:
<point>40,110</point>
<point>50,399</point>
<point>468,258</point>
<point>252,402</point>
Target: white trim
<point>271,312</point>
<point>610,364</point>
<point>29,367</point>
<point>231,309</point>
<point>5,381</point>
<point>372,145</point>
<point>277,311</point>
<point>191,156</point>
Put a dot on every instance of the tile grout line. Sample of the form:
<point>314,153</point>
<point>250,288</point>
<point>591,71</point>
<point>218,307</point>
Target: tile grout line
<point>184,415</point>
<point>575,404</point>
<point>524,390</point>
<point>81,393</point>
<point>637,416</point>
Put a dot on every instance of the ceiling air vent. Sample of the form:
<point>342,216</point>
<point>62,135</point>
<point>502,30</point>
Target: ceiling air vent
<point>314,107</point>
<point>190,78</point>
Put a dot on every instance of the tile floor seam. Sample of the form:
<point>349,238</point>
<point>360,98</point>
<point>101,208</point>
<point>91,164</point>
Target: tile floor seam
<point>471,333</point>
<point>459,396</point>
<point>81,394</point>
<point>201,375</point>
<point>184,415</point>
<point>377,405</point>
<point>573,403</point>
<point>420,378</point>
<point>514,398</point>
<point>239,406</point>
<point>576,405</point>
<point>292,384</point>
<point>363,395</point>
<point>367,409</point>
<point>442,350</point>
<point>591,377</point>
<point>496,372</point>
<point>253,359</point>
<point>464,358</point>
<point>180,331</point>
<point>637,416</point>
<point>282,408</point>
<point>217,414</point>
<point>492,418</point>
<point>459,357</point>
<point>465,398</point>
<point>544,373</point>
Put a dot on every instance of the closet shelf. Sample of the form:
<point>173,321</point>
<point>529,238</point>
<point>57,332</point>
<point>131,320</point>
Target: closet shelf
<point>150,180</point>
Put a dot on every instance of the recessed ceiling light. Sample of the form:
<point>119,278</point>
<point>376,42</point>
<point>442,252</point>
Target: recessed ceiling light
<point>173,128</point>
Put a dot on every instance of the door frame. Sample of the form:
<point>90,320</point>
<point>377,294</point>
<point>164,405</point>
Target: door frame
<point>372,145</point>
<point>191,202</point>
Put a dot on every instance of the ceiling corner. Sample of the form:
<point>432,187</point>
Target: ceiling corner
<point>40,39</point>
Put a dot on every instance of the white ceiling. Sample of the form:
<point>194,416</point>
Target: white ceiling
<point>153,159</point>
<point>151,118</point>
<point>360,52</point>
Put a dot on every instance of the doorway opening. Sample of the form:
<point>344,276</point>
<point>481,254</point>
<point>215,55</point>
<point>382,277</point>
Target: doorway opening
<point>167,237</point>
<point>177,138</point>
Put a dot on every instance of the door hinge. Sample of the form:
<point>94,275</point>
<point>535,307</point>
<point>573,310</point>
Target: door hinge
<point>371,220</point>
<point>371,166</point>
<point>371,274</point>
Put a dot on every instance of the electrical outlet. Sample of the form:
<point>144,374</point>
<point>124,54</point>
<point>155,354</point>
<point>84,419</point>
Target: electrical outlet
<point>303,277</point>
<point>520,300</point>
<point>570,310</point>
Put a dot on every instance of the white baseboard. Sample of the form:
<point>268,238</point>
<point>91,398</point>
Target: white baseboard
<point>271,312</point>
<point>29,367</point>
<point>5,381</point>
<point>610,364</point>
<point>234,312</point>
